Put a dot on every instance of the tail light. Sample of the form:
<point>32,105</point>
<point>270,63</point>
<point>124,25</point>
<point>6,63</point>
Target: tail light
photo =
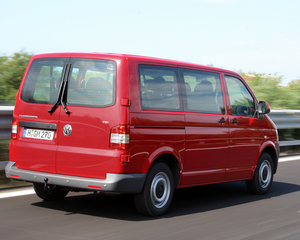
<point>119,137</point>
<point>14,129</point>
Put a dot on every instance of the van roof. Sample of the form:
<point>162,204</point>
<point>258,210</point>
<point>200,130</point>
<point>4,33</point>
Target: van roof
<point>119,56</point>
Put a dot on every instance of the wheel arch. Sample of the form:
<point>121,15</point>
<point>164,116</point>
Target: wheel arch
<point>271,151</point>
<point>172,162</point>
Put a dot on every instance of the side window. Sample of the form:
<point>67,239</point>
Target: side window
<point>43,81</point>
<point>203,91</point>
<point>241,101</point>
<point>159,88</point>
<point>91,83</point>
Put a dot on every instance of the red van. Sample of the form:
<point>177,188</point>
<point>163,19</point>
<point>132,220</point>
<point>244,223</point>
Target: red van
<point>130,124</point>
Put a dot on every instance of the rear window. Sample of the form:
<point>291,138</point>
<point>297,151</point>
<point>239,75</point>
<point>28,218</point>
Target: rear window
<point>91,82</point>
<point>43,80</point>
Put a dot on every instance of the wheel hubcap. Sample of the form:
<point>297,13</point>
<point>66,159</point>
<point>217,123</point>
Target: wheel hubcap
<point>265,174</point>
<point>160,190</point>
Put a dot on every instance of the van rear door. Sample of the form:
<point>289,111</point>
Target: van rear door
<point>36,143</point>
<point>85,124</point>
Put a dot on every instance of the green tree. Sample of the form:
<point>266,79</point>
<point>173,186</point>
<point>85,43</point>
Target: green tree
<point>269,88</point>
<point>294,90</point>
<point>12,69</point>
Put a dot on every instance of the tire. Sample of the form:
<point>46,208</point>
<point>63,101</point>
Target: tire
<point>263,176</point>
<point>157,194</point>
<point>54,195</point>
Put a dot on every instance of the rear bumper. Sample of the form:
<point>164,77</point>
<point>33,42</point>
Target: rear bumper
<point>119,183</point>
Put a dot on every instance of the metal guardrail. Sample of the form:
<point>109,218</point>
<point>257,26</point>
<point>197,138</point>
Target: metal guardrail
<point>3,164</point>
<point>6,113</point>
<point>284,119</point>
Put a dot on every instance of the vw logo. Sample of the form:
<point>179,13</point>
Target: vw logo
<point>67,130</point>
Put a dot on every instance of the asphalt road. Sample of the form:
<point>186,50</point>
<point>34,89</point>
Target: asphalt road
<point>221,211</point>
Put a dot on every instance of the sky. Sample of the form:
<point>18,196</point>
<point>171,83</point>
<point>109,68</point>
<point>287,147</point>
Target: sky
<point>260,36</point>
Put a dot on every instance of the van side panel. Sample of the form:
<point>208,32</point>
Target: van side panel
<point>207,142</point>
<point>153,134</point>
<point>245,139</point>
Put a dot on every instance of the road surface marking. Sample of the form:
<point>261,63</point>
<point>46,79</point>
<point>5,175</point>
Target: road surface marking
<point>286,159</point>
<point>16,193</point>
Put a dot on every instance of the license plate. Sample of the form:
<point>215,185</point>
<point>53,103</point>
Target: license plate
<point>38,134</point>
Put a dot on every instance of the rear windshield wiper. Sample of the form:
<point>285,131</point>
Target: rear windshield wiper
<point>61,99</point>
<point>60,91</point>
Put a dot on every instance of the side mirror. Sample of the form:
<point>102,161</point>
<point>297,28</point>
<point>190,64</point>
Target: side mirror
<point>263,107</point>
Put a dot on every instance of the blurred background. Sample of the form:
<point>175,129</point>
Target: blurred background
<point>258,39</point>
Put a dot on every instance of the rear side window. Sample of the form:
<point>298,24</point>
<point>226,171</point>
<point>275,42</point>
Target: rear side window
<point>43,80</point>
<point>91,83</point>
<point>159,88</point>
<point>203,91</point>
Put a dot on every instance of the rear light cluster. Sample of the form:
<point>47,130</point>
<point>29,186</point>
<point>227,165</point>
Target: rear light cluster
<point>14,129</point>
<point>119,137</point>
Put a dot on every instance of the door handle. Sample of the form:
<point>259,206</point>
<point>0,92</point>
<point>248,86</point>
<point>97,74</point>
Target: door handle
<point>235,121</point>
<point>222,120</point>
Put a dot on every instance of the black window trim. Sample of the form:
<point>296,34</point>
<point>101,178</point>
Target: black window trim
<point>38,125</point>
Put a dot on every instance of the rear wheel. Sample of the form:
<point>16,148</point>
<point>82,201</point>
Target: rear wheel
<point>263,176</point>
<point>157,194</point>
<point>53,194</point>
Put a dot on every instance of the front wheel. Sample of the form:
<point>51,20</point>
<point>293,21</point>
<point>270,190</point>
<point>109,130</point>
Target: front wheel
<point>157,194</point>
<point>54,195</point>
<point>263,176</point>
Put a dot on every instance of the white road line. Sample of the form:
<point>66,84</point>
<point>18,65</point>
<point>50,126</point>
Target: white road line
<point>286,159</point>
<point>16,194</point>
